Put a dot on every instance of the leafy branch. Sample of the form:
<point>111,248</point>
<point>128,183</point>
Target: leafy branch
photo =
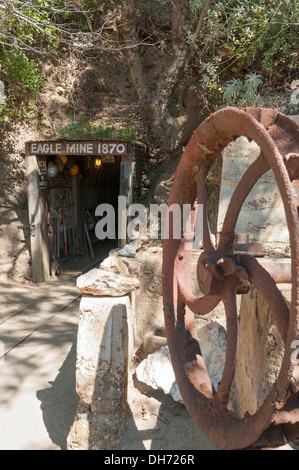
<point>237,92</point>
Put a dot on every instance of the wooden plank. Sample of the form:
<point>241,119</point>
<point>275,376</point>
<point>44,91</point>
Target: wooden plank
<point>125,189</point>
<point>45,255</point>
<point>139,152</point>
<point>34,217</point>
<point>44,208</point>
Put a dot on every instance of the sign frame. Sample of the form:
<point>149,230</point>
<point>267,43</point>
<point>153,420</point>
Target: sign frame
<point>79,148</point>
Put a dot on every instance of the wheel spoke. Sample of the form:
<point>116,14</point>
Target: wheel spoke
<point>250,177</point>
<point>208,244</point>
<point>197,305</point>
<point>230,304</point>
<point>200,305</point>
<point>264,283</point>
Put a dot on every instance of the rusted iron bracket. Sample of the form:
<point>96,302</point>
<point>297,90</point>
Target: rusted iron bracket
<point>243,245</point>
<point>225,270</point>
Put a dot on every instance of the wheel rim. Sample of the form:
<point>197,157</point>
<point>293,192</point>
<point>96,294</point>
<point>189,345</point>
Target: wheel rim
<point>221,275</point>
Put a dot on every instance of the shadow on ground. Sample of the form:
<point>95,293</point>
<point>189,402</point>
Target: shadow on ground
<point>59,402</point>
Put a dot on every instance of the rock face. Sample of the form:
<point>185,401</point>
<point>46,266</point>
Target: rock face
<point>212,341</point>
<point>104,283</point>
<point>14,249</point>
<point>260,353</point>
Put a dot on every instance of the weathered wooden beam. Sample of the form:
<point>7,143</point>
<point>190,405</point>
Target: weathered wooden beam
<point>125,189</point>
<point>34,216</point>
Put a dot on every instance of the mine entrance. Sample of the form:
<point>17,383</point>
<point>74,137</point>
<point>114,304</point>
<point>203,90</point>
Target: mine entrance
<point>67,181</point>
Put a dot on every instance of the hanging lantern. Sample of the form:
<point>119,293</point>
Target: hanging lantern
<point>63,158</point>
<point>74,170</point>
<point>52,170</point>
<point>98,163</point>
<point>59,164</point>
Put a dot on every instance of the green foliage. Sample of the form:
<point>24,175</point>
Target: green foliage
<point>86,130</point>
<point>23,78</point>
<point>24,26</point>
<point>254,35</point>
<point>127,132</point>
<point>267,29</point>
<point>238,37</point>
<point>162,46</point>
<point>232,90</point>
<point>21,71</point>
<point>242,93</point>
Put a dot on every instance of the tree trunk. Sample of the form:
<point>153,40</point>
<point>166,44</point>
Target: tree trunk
<point>170,132</point>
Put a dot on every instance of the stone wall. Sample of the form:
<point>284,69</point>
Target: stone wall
<point>262,215</point>
<point>103,350</point>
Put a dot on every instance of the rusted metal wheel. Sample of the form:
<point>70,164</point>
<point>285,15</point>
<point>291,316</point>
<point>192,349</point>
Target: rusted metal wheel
<point>222,274</point>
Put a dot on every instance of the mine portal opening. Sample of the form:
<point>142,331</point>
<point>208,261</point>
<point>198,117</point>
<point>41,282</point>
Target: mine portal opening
<point>73,197</point>
<point>67,182</point>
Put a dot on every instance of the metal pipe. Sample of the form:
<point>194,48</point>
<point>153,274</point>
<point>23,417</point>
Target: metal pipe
<point>280,270</point>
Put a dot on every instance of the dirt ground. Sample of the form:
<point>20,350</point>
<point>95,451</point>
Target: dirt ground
<point>38,328</point>
<point>38,400</point>
<point>155,421</point>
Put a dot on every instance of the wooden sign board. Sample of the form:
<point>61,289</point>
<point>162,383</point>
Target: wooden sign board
<point>77,147</point>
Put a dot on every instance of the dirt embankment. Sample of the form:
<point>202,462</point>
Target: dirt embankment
<point>99,93</point>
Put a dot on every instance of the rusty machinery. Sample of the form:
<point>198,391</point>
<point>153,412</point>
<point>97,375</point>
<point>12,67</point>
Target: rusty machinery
<point>222,273</point>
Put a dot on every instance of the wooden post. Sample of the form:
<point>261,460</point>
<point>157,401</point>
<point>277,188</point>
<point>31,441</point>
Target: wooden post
<point>125,189</point>
<point>44,208</point>
<point>38,213</point>
<point>34,217</point>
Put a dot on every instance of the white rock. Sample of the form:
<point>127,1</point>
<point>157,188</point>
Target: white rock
<point>108,264</point>
<point>285,447</point>
<point>157,372</point>
<point>60,90</point>
<point>115,265</point>
<point>175,393</point>
<point>128,251</point>
<point>101,282</point>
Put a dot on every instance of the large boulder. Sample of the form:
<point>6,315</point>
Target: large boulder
<point>104,283</point>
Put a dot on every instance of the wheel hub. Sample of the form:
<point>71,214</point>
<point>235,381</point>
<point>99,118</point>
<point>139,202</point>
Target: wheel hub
<point>214,268</point>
